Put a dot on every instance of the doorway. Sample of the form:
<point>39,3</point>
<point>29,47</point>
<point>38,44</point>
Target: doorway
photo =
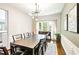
<point>46,26</point>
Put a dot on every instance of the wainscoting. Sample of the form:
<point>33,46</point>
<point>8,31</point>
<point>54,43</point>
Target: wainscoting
<point>69,47</point>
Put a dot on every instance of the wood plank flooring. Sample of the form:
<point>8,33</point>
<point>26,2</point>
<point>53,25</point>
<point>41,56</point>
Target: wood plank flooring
<point>51,48</point>
<point>60,48</point>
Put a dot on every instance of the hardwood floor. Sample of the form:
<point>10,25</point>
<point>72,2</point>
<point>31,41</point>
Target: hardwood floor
<point>60,48</point>
<point>51,48</point>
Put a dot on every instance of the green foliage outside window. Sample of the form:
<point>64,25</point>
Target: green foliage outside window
<point>43,26</point>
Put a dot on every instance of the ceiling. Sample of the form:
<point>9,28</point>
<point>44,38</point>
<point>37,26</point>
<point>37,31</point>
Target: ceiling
<point>44,8</point>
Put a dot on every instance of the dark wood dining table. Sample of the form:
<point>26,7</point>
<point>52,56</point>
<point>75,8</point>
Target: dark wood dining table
<point>30,42</point>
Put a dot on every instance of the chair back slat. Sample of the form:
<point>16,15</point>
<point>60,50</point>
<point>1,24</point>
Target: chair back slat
<point>26,35</point>
<point>16,37</point>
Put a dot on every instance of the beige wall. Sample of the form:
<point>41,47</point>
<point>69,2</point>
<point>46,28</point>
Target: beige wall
<point>33,26</point>
<point>73,37</point>
<point>18,21</point>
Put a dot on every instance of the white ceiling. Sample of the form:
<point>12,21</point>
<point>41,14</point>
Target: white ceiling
<point>45,8</point>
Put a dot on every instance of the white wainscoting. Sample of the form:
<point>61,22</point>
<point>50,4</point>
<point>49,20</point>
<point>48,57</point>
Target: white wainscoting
<point>69,47</point>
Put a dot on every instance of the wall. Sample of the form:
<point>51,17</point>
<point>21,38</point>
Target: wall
<point>33,26</point>
<point>73,37</point>
<point>18,21</point>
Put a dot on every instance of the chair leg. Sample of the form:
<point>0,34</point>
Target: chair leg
<point>12,50</point>
<point>45,46</point>
<point>43,50</point>
<point>5,51</point>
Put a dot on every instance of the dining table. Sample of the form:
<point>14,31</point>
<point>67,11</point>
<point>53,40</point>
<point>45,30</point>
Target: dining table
<point>30,42</point>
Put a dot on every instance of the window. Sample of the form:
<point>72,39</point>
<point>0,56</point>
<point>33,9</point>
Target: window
<point>2,20</point>
<point>43,26</point>
<point>3,28</point>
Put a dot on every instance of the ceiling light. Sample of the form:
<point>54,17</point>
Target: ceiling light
<point>36,12</point>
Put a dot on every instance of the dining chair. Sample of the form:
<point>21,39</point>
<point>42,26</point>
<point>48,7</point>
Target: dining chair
<point>40,52</point>
<point>3,51</point>
<point>43,45</point>
<point>49,36</point>
<point>27,35</point>
<point>14,48</point>
<point>39,49</point>
<point>17,37</point>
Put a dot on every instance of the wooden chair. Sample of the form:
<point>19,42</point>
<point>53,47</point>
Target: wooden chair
<point>44,45</point>
<point>48,36</point>
<point>16,37</point>
<point>41,47</point>
<point>26,51</point>
<point>26,35</point>
<point>14,48</point>
<point>3,51</point>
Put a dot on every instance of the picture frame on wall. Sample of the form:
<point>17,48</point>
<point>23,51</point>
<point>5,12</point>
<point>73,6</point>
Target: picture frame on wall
<point>66,22</point>
<point>72,20</point>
